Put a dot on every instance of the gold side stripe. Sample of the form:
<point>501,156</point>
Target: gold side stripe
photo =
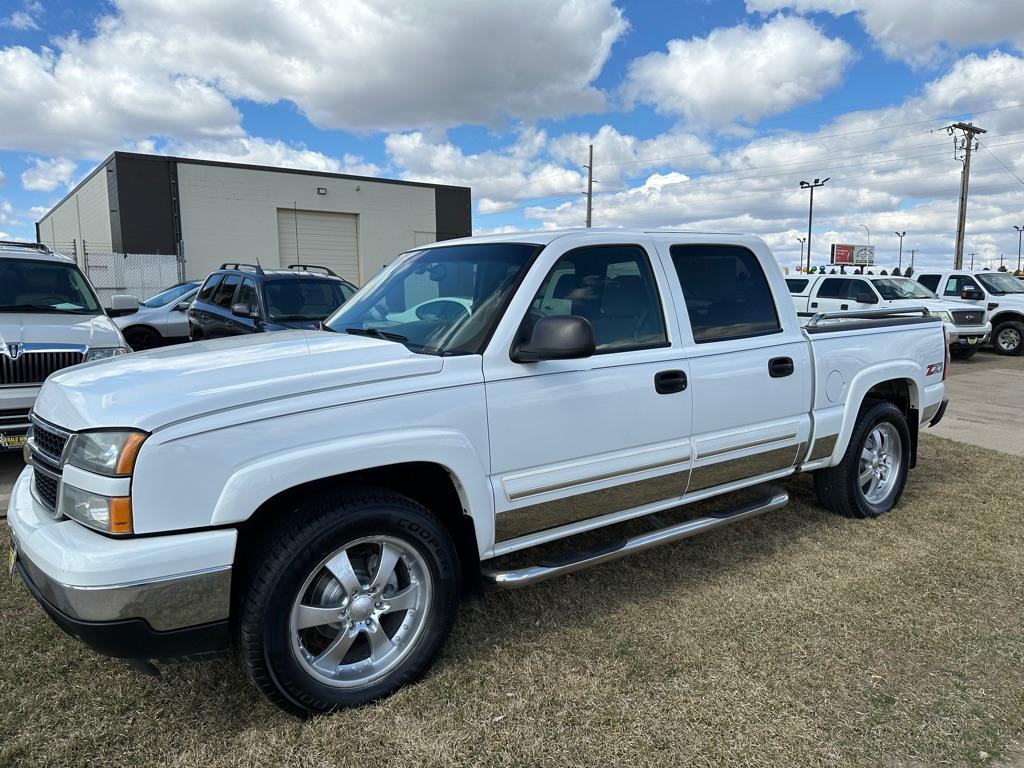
<point>744,446</point>
<point>513,496</point>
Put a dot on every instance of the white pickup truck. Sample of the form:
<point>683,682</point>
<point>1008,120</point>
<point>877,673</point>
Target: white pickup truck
<point>324,497</point>
<point>1001,294</point>
<point>967,328</point>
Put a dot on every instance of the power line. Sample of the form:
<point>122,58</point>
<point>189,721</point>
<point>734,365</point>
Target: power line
<point>1008,169</point>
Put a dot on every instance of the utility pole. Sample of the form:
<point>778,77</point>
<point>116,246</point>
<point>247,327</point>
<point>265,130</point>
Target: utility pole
<point>810,212</point>
<point>1020,231</point>
<point>972,260</point>
<point>970,130</point>
<point>911,251</point>
<point>590,186</point>
<point>801,240</point>
<point>901,235</point>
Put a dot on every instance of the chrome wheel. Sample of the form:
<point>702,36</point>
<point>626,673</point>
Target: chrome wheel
<point>360,612</point>
<point>1008,339</point>
<point>881,460</point>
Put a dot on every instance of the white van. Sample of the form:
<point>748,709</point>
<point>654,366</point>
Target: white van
<point>50,318</point>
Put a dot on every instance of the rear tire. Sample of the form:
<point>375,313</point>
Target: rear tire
<point>962,353</point>
<point>351,598</point>
<point>869,480</point>
<point>1008,338</point>
<point>140,338</point>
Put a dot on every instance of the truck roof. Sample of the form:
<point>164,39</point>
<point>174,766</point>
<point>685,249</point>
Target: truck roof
<point>546,236</point>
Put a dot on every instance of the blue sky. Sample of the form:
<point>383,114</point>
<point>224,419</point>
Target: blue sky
<point>704,115</point>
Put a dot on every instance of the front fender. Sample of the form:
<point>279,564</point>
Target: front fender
<point>252,485</point>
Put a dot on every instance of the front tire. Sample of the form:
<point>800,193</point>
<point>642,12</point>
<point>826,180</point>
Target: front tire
<point>353,597</point>
<point>1008,338</point>
<point>869,479</point>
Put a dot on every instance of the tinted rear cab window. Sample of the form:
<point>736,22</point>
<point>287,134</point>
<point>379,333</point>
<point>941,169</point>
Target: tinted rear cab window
<point>727,294</point>
<point>797,285</point>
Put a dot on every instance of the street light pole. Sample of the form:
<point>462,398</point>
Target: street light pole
<point>802,240</point>
<point>901,235</point>
<point>865,227</point>
<point>1020,231</point>
<point>810,212</point>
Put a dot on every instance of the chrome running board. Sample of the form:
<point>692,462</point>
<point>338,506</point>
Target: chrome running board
<point>522,577</point>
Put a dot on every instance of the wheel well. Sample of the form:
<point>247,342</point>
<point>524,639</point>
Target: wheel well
<point>901,393</point>
<point>137,326</point>
<point>1003,317</point>
<point>426,483</point>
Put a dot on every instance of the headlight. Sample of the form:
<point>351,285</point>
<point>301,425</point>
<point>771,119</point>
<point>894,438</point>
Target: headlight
<point>107,453</point>
<point>941,314</point>
<point>103,353</point>
<point>110,515</point>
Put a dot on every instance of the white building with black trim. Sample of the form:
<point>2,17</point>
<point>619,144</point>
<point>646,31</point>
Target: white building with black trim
<point>210,212</point>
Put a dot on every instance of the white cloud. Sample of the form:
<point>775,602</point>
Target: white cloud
<point>171,69</point>
<point>740,73</point>
<point>891,169</point>
<point>919,31</point>
<point>45,175</point>
<point>25,18</point>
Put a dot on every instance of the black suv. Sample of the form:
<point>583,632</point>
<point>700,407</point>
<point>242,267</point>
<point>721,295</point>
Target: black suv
<point>245,298</point>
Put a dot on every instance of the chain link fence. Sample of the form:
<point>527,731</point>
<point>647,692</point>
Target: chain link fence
<point>137,274</point>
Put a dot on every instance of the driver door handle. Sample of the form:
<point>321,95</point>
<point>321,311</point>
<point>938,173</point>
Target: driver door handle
<point>779,367</point>
<point>669,382</point>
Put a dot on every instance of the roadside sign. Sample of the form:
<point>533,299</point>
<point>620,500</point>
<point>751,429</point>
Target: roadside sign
<point>853,254</point>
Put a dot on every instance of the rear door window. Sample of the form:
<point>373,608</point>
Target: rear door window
<point>931,282</point>
<point>226,291</point>
<point>726,292</point>
<point>209,287</point>
<point>833,288</point>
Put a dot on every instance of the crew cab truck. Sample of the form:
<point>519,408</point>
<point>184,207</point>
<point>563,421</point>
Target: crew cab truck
<point>1000,293</point>
<point>966,327</point>
<point>347,485</point>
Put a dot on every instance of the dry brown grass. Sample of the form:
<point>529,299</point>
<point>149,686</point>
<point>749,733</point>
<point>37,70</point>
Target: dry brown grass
<point>795,639</point>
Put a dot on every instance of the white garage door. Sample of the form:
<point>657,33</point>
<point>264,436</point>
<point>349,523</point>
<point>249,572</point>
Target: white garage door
<point>319,237</point>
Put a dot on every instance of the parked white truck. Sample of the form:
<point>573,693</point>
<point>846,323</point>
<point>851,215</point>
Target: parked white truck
<point>325,497</point>
<point>967,328</point>
<point>999,293</point>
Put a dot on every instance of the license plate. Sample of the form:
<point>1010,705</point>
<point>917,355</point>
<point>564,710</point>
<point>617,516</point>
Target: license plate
<point>12,441</point>
<point>12,557</point>
<point>972,340</point>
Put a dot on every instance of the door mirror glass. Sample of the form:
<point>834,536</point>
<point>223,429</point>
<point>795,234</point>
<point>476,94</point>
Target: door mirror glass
<point>560,337</point>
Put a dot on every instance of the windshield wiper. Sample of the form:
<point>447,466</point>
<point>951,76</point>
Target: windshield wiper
<point>377,333</point>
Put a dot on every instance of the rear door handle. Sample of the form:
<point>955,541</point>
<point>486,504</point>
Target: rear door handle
<point>814,305</point>
<point>669,382</point>
<point>780,366</point>
<point>844,306</point>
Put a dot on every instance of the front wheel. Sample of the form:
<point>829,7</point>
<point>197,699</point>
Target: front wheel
<point>351,601</point>
<point>870,478</point>
<point>1008,338</point>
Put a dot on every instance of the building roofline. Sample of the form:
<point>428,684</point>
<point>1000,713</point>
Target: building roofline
<point>242,166</point>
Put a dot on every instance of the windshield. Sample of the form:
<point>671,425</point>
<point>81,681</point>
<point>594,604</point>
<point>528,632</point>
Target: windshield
<point>164,298</point>
<point>31,285</point>
<point>1000,283</point>
<point>894,288</point>
<point>443,300</point>
<point>294,299</point>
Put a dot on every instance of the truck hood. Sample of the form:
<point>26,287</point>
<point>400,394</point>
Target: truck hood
<point>936,305</point>
<point>58,328</point>
<point>151,389</point>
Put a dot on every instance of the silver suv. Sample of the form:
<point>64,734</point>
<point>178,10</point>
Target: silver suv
<point>50,318</point>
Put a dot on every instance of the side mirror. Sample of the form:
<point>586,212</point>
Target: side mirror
<point>246,311</point>
<point>122,304</point>
<point>182,306</point>
<point>563,337</point>
<point>970,293</point>
<point>865,297</point>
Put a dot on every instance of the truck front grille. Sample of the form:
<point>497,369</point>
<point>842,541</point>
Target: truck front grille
<point>46,446</point>
<point>968,316</point>
<point>46,487</point>
<point>33,367</point>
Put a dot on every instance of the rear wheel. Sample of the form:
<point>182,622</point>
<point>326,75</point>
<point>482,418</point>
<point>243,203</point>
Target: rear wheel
<point>1008,338</point>
<point>870,478</point>
<point>139,338</point>
<point>962,353</point>
<point>349,602</point>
